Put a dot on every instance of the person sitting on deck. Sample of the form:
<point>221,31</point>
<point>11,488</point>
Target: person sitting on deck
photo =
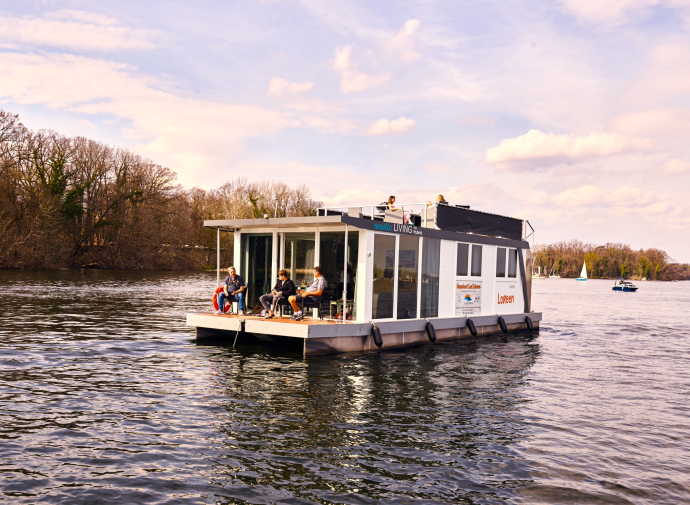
<point>233,291</point>
<point>284,288</point>
<point>316,290</point>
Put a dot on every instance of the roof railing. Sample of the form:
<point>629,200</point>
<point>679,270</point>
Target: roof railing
<point>405,211</point>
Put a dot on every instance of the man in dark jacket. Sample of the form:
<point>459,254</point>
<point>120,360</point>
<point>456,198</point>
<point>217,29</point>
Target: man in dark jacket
<point>283,289</point>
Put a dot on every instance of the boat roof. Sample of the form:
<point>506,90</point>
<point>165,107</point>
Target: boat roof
<point>282,223</point>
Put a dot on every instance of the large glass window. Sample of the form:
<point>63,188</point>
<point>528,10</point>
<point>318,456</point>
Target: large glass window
<point>463,259</point>
<point>298,257</point>
<point>512,262</point>
<point>384,273</point>
<point>256,266</point>
<point>332,247</point>
<point>408,261</point>
<point>501,262</point>
<point>476,261</point>
<point>431,254</point>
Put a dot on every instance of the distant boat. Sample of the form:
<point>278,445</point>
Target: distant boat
<point>622,285</point>
<point>583,273</point>
<point>554,276</point>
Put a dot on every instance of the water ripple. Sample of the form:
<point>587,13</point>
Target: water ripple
<point>104,398</point>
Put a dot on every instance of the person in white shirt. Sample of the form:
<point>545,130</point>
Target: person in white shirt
<point>316,290</point>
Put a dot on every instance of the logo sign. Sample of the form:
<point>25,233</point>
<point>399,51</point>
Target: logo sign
<point>407,229</point>
<point>506,293</point>
<point>468,298</point>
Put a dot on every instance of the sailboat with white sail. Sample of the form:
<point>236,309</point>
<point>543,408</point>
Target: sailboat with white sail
<point>583,273</point>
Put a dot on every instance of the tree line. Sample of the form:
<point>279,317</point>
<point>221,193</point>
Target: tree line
<point>609,261</point>
<point>70,202</point>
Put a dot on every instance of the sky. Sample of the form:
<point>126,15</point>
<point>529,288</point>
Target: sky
<point>574,114</point>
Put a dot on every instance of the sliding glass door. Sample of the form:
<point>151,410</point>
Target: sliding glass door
<point>408,260</point>
<point>384,276</point>
<point>298,257</point>
<point>398,270</point>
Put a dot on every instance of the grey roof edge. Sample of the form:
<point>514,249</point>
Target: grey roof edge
<point>366,224</point>
<point>271,221</point>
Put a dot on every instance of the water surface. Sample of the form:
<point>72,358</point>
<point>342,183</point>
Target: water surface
<point>105,398</point>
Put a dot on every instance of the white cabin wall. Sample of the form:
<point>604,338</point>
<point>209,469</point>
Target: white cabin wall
<point>505,288</point>
<point>446,281</point>
<point>237,254</point>
<point>488,279</point>
<point>365,275</point>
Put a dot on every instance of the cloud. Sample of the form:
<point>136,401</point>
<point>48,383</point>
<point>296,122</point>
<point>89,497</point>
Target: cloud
<point>590,195</point>
<point>388,126</point>
<point>675,167</point>
<point>279,87</point>
<point>351,79</point>
<point>615,10</point>
<point>403,42</point>
<point>78,30</point>
<point>549,148</point>
<point>190,135</point>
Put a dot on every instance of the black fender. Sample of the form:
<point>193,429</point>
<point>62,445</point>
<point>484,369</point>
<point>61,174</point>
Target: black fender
<point>430,331</point>
<point>529,323</point>
<point>502,324</point>
<point>470,325</point>
<point>375,334</point>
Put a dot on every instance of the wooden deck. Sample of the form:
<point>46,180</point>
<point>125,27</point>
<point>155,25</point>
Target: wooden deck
<point>330,336</point>
<point>277,319</point>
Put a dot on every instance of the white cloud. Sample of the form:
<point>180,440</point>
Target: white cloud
<point>351,79</point>
<point>589,195</point>
<point>190,135</point>
<point>403,42</point>
<point>279,87</point>
<point>614,10</point>
<point>82,16</point>
<point>77,30</point>
<point>675,167</point>
<point>387,126</point>
<point>539,147</point>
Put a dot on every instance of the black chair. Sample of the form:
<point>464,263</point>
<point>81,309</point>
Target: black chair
<point>284,305</point>
<point>320,303</point>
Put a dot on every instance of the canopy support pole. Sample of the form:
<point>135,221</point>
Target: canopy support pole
<point>217,256</point>
<point>344,315</point>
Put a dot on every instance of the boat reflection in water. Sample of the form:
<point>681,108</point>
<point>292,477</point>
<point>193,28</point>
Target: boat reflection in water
<point>440,423</point>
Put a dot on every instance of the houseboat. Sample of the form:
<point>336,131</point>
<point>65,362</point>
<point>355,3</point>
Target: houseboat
<point>396,277</point>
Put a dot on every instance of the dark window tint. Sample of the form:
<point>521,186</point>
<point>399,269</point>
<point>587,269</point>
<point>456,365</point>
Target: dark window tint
<point>477,260</point>
<point>463,259</point>
<point>512,263</point>
<point>384,272</point>
<point>408,260</point>
<point>501,262</point>
<point>430,270</point>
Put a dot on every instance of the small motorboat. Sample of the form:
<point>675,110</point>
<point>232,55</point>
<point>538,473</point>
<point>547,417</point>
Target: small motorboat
<point>624,286</point>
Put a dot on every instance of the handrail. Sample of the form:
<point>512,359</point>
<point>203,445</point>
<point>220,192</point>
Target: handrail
<point>373,209</point>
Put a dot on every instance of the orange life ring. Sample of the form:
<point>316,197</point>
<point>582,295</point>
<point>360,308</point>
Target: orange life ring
<point>214,299</point>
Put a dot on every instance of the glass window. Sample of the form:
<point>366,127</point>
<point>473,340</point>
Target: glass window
<point>431,254</point>
<point>384,271</point>
<point>463,259</point>
<point>408,261</point>
<point>332,246</point>
<point>501,262</point>
<point>298,257</point>
<point>512,262</point>
<point>476,260</point>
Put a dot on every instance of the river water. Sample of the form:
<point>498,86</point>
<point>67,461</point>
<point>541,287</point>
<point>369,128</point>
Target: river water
<point>105,398</point>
